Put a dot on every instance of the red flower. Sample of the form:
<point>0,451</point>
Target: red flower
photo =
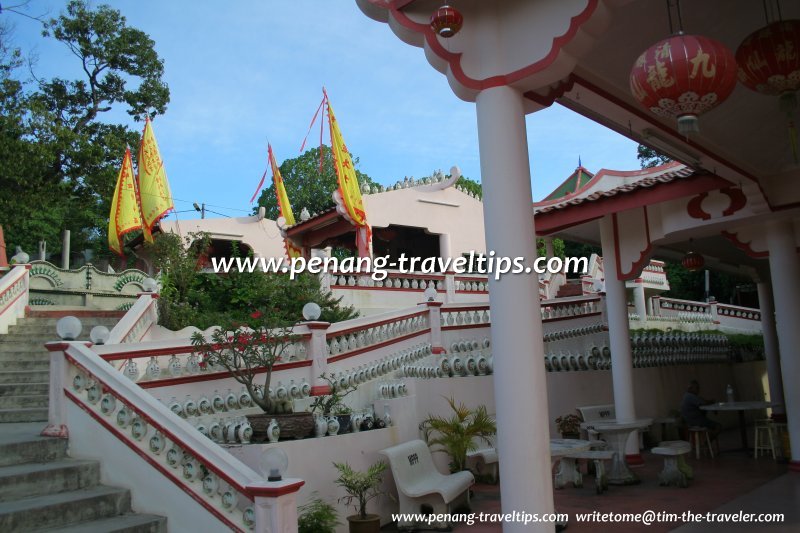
<point>256,314</point>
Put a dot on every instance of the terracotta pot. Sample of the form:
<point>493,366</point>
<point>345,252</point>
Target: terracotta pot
<point>370,524</point>
<point>293,425</point>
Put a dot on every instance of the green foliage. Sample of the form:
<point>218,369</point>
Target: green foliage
<point>317,516</point>
<point>558,248</point>
<point>459,433</point>
<point>246,353</point>
<point>649,157</point>
<point>470,185</point>
<point>305,185</point>
<point>332,403</point>
<point>687,285</point>
<point>59,157</point>
<point>190,297</point>
<point>361,487</point>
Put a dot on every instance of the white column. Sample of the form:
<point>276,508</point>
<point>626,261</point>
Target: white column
<point>770,345</point>
<point>519,375</point>
<point>639,300</point>
<point>57,406</point>
<point>619,336</point>
<point>445,250</point>
<point>784,266</point>
<point>650,306</point>
<point>275,505</point>
<point>317,352</point>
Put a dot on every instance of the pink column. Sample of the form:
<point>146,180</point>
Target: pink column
<point>771,355</point>
<point>519,375</point>
<point>318,354</point>
<point>784,266</point>
<point>619,338</point>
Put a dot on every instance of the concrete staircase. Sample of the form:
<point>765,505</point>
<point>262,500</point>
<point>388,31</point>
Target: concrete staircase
<point>41,489</point>
<point>24,364</point>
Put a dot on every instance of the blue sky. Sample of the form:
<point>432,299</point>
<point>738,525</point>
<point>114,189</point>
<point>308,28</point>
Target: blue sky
<point>246,72</point>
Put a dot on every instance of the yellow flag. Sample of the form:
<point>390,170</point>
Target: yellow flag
<point>154,194</point>
<point>284,207</point>
<point>348,182</point>
<point>125,215</point>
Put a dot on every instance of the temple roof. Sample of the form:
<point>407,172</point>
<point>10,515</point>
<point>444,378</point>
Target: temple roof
<point>574,182</point>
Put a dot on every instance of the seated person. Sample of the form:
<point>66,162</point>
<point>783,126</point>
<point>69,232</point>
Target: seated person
<point>693,415</point>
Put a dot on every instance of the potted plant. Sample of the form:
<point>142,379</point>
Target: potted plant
<point>332,404</point>
<point>361,487</point>
<point>460,433</point>
<point>249,354</point>
<point>317,516</point>
<point>569,426</point>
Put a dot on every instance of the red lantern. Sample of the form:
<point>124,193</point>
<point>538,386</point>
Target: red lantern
<point>693,261</point>
<point>769,61</point>
<point>683,77</point>
<point>446,21</point>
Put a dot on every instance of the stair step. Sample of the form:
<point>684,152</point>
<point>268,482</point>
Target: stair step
<point>128,523</point>
<point>21,366</point>
<point>21,389</point>
<point>22,444</point>
<point>65,508</point>
<point>9,356</point>
<point>25,376</point>
<point>25,414</point>
<point>24,401</point>
<point>51,322</point>
<point>37,479</point>
<point>25,345</point>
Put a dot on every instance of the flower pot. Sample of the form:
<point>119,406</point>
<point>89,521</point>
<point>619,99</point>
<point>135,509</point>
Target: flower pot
<point>293,425</point>
<point>570,435</point>
<point>370,524</point>
<point>344,423</point>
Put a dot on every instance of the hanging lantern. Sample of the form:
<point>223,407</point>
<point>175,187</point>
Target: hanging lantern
<point>693,261</point>
<point>683,77</point>
<point>769,63</point>
<point>446,21</point>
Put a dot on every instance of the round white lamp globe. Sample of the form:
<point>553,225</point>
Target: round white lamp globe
<point>99,334</point>
<point>149,285</point>
<point>430,294</point>
<point>69,328</point>
<point>274,463</point>
<point>311,311</point>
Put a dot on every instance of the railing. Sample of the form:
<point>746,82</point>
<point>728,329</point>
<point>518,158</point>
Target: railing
<point>675,348</point>
<point>229,491</point>
<point>393,281</point>
<point>550,283</point>
<point>142,316</point>
<point>683,310</point>
<point>735,311</point>
<point>85,286</point>
<point>14,296</point>
<point>352,337</point>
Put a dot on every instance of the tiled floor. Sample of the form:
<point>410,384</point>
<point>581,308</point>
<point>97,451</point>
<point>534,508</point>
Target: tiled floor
<point>730,483</point>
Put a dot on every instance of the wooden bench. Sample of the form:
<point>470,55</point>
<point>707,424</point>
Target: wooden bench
<point>420,484</point>
<point>672,452</point>
<point>568,470</point>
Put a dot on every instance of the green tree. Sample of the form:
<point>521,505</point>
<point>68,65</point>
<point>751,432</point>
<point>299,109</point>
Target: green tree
<point>471,186</point>
<point>306,186</point>
<point>649,157</point>
<point>65,157</point>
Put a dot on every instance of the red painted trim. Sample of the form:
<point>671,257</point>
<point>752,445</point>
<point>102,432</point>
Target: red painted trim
<point>212,376</point>
<point>379,345</point>
<point>357,288</point>
<point>472,280</point>
<point>59,431</point>
<point>274,492</point>
<point>568,216</point>
<point>738,200</point>
<point>695,207</point>
<point>300,228</point>
<point>744,246</point>
<point>436,350</point>
<point>558,319</point>
<point>374,325</point>
<point>172,350</point>
<point>320,390</point>
<point>60,346</point>
<point>152,462</point>
<point>634,459</point>
<point>434,304</point>
<point>392,275</point>
<point>463,291</point>
<point>14,284</point>
<point>20,295</point>
<point>644,255</point>
<point>454,59</point>
<point>465,326</point>
<point>317,325</point>
<point>483,307</point>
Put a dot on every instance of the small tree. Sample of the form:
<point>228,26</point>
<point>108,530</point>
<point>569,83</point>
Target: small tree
<point>361,487</point>
<point>328,404</point>
<point>458,434</point>
<point>245,353</point>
